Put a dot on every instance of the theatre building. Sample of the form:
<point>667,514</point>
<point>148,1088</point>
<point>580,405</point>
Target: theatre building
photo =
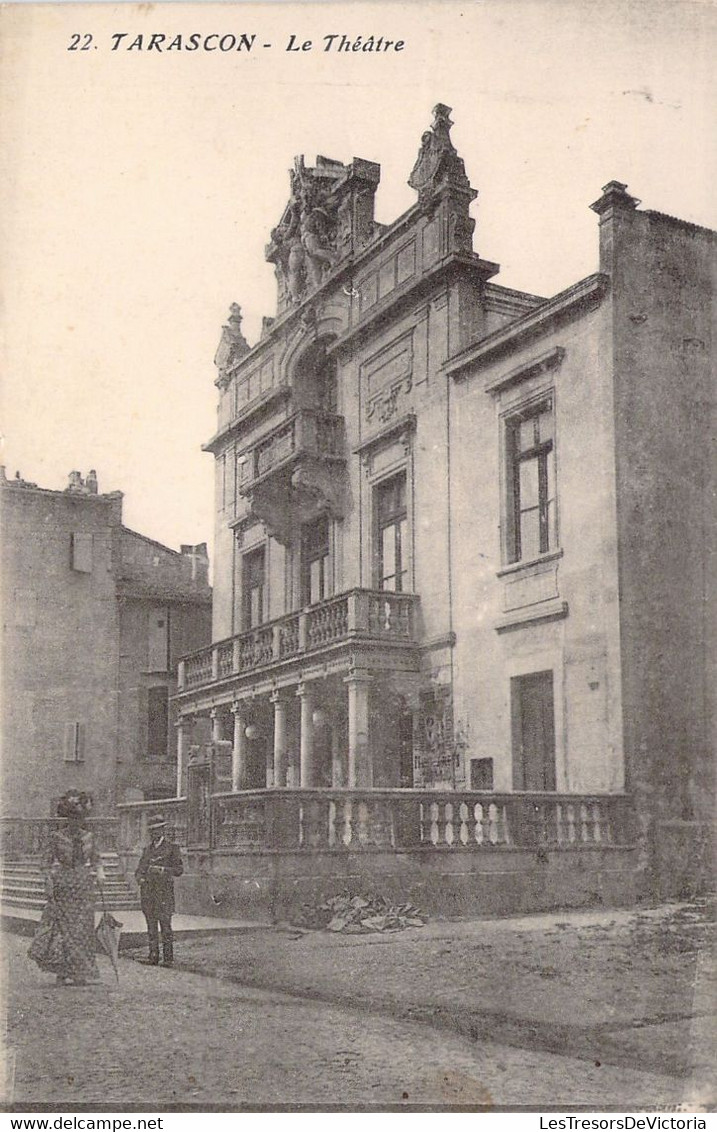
<point>459,615</point>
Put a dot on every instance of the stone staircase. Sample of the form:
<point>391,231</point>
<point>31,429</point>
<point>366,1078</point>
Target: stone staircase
<point>22,885</point>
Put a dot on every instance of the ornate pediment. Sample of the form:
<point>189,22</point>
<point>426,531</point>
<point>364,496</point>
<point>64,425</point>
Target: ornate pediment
<point>329,215</point>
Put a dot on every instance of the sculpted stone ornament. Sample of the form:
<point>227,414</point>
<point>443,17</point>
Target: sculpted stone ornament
<point>438,162</point>
<point>330,211</point>
<point>232,345</point>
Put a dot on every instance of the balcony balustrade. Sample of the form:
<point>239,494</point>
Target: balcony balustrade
<point>306,433</point>
<point>400,820</point>
<point>371,615</point>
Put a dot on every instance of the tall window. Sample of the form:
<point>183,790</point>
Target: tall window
<point>253,583</point>
<point>157,722</point>
<point>531,524</point>
<point>315,577</point>
<point>392,534</point>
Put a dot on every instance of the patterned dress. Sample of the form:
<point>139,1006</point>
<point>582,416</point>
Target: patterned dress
<point>75,858</point>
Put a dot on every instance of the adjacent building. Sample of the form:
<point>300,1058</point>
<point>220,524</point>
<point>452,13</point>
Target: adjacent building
<point>94,618</point>
<point>462,540</point>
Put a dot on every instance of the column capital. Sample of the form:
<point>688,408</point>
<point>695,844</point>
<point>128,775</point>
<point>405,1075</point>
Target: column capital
<point>213,712</point>
<point>305,689</point>
<point>236,707</point>
<point>358,676</point>
<point>279,696</point>
<point>183,721</point>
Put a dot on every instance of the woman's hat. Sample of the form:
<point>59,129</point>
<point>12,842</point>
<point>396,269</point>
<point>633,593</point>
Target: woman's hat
<point>74,804</point>
<point>156,822</point>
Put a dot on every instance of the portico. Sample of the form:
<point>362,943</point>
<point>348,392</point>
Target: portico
<point>309,716</point>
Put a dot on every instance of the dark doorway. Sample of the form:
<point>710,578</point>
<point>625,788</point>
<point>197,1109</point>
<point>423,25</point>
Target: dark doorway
<point>533,727</point>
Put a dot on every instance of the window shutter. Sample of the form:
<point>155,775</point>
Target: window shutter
<point>82,552</point>
<point>69,742</point>
<point>74,742</point>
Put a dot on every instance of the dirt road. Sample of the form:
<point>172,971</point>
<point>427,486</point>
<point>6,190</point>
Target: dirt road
<point>168,1039</point>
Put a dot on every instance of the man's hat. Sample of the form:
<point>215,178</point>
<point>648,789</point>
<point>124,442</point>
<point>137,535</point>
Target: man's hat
<point>156,822</point>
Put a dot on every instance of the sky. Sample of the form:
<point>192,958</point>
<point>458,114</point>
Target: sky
<point>139,189</point>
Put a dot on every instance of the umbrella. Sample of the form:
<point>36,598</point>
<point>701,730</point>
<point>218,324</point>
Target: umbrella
<point>107,934</point>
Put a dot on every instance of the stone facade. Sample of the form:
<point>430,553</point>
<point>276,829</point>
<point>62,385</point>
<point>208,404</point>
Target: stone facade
<point>94,619</point>
<point>461,533</point>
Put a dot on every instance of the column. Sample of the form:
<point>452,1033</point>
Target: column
<point>238,748</point>
<point>183,725</point>
<point>338,759</point>
<point>216,719</point>
<point>360,761</point>
<point>306,765</point>
<point>280,738</point>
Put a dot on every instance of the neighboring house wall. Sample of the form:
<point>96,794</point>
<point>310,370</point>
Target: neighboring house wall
<point>663,272</point>
<point>60,649</point>
<point>88,670</point>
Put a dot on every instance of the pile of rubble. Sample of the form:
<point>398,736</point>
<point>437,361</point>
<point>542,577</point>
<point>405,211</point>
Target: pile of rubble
<point>353,915</point>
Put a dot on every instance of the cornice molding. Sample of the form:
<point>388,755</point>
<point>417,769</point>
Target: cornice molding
<point>575,300</point>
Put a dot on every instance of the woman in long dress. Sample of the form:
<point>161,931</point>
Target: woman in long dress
<point>73,864</point>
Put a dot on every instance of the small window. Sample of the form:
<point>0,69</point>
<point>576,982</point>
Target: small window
<point>531,506</point>
<point>481,774</point>
<point>81,552</point>
<point>315,578</point>
<point>74,742</point>
<point>253,585</point>
<point>391,534</point>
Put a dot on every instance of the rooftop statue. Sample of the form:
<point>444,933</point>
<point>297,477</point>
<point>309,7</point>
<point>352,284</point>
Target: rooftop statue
<point>438,162</point>
<point>232,344</point>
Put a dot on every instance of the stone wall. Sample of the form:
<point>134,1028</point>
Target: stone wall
<point>442,883</point>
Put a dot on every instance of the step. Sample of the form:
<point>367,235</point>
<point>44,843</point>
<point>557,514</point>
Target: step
<point>33,902</point>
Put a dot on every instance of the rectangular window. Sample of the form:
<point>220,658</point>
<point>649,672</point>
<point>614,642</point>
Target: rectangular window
<point>533,731</point>
<point>253,585</point>
<point>157,722</point>
<point>81,552</point>
<point>74,742</point>
<point>530,452</point>
<point>315,576</point>
<point>391,534</point>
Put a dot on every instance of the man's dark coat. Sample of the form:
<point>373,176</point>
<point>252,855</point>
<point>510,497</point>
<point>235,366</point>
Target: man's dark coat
<point>157,868</point>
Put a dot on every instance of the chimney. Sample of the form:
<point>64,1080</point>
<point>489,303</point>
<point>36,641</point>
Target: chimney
<point>75,482</point>
<point>200,562</point>
<point>91,482</point>
<point>616,209</point>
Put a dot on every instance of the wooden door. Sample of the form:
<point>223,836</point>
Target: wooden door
<point>533,725</point>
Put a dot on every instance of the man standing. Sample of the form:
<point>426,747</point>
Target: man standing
<point>159,864</point>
